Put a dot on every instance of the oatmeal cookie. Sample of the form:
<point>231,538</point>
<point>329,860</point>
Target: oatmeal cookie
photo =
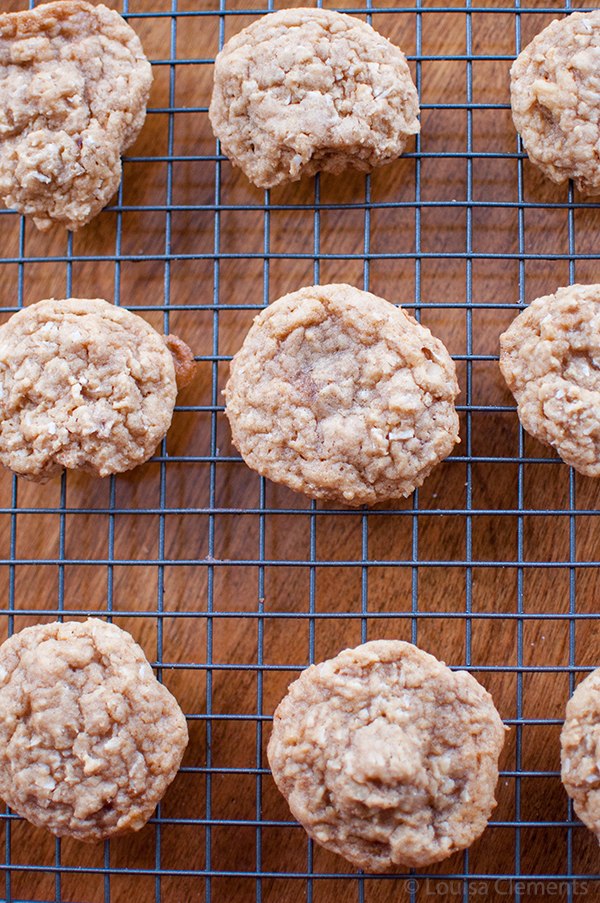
<point>89,739</point>
<point>550,359</point>
<point>580,751</point>
<point>83,385</point>
<point>555,99</point>
<point>303,90</point>
<point>386,756</point>
<point>74,83</point>
<point>340,395</point>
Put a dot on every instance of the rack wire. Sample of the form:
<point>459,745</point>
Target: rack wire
<point>233,584</point>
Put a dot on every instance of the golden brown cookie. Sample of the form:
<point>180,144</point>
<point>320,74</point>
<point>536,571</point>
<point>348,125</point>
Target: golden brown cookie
<point>580,751</point>
<point>303,90</point>
<point>89,739</point>
<point>340,395</point>
<point>555,99</point>
<point>74,83</point>
<point>386,756</point>
<point>550,359</point>
<point>83,385</point>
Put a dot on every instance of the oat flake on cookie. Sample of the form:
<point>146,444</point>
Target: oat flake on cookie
<point>303,90</point>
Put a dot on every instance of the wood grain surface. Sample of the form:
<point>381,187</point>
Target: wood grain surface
<point>231,585</point>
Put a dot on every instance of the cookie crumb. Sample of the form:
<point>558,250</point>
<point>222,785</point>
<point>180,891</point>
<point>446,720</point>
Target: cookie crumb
<point>183,359</point>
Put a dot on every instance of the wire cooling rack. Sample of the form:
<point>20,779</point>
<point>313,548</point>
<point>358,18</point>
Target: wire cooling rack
<point>233,584</point>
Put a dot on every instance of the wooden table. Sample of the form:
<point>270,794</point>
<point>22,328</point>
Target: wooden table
<point>232,585</point>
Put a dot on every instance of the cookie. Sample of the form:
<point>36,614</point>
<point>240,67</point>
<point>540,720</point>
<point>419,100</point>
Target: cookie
<point>386,756</point>
<point>303,90</point>
<point>340,395</point>
<point>550,359</point>
<point>580,745</point>
<point>83,385</point>
<point>89,739</point>
<point>74,83</point>
<point>555,99</point>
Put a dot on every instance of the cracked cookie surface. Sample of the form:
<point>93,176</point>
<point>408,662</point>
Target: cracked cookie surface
<point>340,395</point>
<point>303,90</point>
<point>83,385</point>
<point>386,756</point>
<point>89,739</point>
<point>550,359</point>
<point>555,99</point>
<point>580,743</point>
<point>74,83</point>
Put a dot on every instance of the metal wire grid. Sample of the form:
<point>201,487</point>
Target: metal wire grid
<point>451,885</point>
